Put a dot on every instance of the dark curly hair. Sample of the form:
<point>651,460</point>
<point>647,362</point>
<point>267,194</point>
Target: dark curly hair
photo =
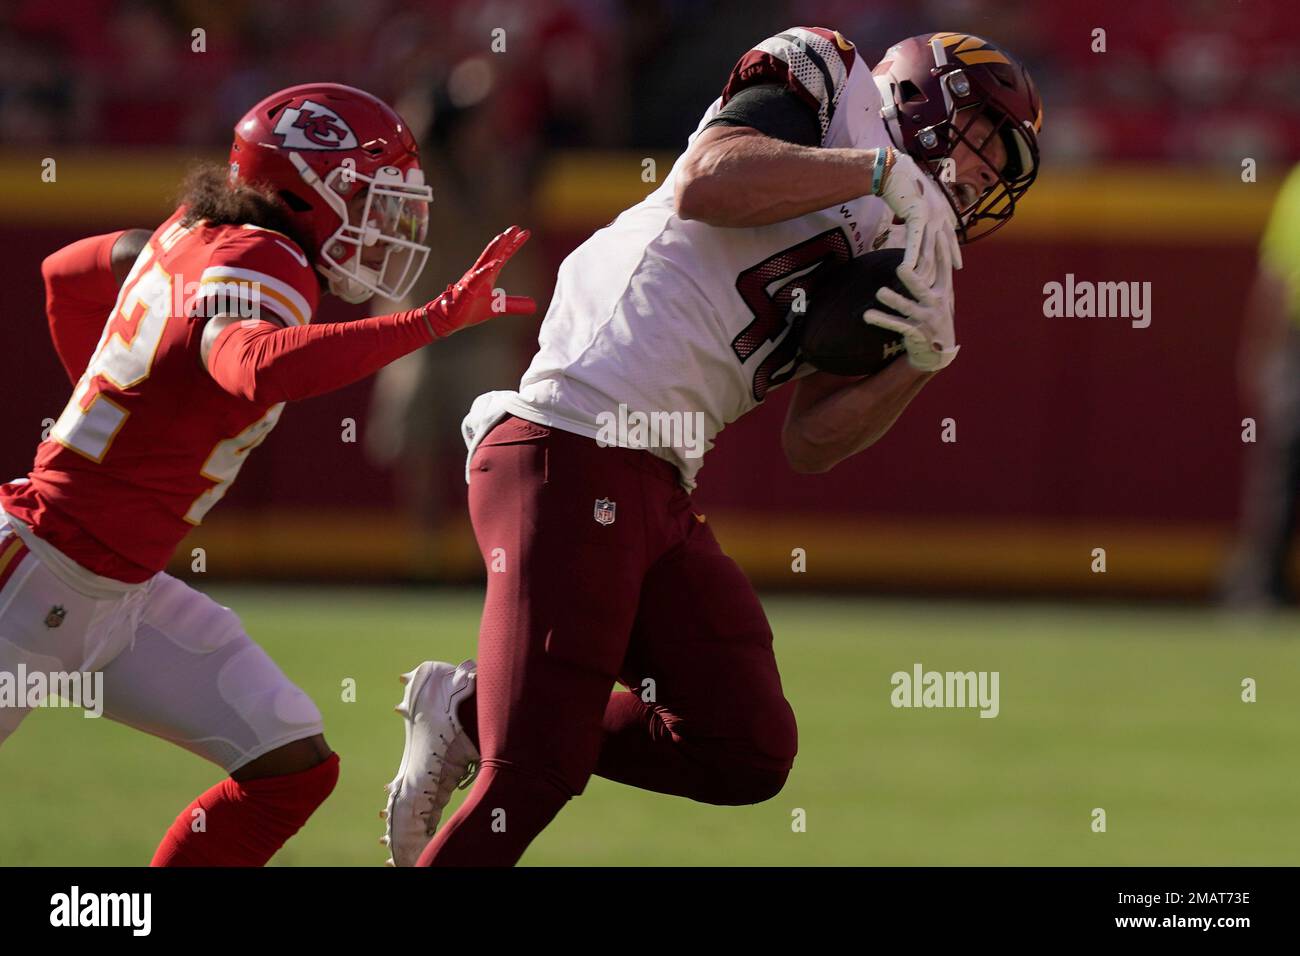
<point>207,195</point>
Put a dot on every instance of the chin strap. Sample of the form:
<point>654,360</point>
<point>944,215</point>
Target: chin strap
<point>888,108</point>
<point>344,287</point>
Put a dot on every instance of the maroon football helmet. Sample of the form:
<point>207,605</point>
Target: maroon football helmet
<point>934,87</point>
<point>319,146</point>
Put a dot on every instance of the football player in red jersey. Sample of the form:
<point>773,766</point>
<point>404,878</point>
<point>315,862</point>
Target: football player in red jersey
<point>183,346</point>
<point>602,569</point>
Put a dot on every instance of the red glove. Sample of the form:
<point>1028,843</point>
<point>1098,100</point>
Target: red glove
<point>472,300</point>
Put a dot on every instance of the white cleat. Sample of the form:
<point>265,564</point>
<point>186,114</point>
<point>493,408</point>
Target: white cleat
<point>438,757</point>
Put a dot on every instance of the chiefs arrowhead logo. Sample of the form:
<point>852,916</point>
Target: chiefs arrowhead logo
<point>312,126</point>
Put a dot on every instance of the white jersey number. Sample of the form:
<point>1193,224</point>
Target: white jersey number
<point>123,358</point>
<point>227,458</point>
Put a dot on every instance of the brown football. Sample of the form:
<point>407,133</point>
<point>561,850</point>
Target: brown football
<point>832,336</point>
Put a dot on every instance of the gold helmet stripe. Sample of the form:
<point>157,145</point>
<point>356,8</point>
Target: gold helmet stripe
<point>982,56</point>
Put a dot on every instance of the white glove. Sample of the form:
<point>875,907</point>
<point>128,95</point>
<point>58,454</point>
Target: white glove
<point>918,200</point>
<point>926,318</point>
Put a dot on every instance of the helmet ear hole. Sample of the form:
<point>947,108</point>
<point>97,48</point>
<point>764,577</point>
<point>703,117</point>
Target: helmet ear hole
<point>909,92</point>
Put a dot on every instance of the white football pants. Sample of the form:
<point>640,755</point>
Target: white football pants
<point>175,663</point>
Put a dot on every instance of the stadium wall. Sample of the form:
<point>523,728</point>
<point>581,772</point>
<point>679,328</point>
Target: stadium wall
<point>1071,433</point>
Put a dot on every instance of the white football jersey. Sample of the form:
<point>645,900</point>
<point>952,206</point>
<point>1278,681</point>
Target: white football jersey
<point>662,330</point>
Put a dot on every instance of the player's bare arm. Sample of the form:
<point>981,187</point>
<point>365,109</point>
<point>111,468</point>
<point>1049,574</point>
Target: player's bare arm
<point>832,418</point>
<point>126,250</point>
<point>737,176</point>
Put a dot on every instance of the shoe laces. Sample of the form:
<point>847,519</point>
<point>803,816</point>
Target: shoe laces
<point>463,780</point>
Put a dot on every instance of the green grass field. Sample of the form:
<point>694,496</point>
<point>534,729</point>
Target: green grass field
<point>1137,711</point>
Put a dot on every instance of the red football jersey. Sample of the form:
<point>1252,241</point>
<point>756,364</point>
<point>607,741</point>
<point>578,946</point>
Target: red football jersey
<point>149,442</point>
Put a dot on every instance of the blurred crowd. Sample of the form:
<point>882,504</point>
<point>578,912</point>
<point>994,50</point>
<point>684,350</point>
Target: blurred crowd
<point>1178,81</point>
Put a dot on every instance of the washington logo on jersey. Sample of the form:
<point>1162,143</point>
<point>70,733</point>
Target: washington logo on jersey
<point>312,126</point>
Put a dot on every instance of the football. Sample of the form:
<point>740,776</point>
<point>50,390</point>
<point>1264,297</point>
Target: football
<point>832,336</point>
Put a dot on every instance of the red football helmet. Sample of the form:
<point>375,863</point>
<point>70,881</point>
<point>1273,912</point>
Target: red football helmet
<point>934,87</point>
<point>348,169</point>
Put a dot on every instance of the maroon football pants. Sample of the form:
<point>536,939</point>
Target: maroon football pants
<point>643,596</point>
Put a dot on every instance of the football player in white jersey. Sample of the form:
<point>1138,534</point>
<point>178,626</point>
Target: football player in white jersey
<point>600,569</point>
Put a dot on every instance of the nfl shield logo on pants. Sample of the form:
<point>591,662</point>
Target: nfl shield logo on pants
<point>604,513</point>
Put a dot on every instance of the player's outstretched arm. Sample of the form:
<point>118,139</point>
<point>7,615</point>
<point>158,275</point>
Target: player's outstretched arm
<point>832,417</point>
<point>265,363</point>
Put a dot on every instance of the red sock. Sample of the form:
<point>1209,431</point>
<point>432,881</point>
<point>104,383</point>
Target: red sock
<point>244,824</point>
